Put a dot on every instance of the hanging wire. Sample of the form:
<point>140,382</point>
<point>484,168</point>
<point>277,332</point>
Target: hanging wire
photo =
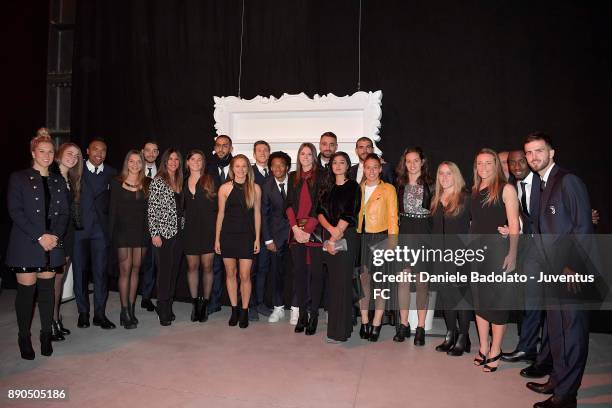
<point>241,36</point>
<point>359,51</point>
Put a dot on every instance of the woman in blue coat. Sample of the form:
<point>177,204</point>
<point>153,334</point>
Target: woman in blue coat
<point>38,206</point>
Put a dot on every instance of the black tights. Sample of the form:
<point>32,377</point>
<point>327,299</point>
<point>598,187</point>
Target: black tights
<point>193,274</point>
<point>130,260</point>
<point>24,305</point>
<point>451,316</point>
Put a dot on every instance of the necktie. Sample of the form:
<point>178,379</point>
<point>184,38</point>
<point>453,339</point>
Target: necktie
<point>96,170</point>
<point>150,172</point>
<point>283,194</point>
<point>542,185</point>
<point>524,199</point>
<point>266,172</point>
<point>222,174</point>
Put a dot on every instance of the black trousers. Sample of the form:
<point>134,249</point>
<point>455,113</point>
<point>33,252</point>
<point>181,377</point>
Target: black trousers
<point>340,288</point>
<point>281,278</point>
<point>168,260</point>
<point>299,255</point>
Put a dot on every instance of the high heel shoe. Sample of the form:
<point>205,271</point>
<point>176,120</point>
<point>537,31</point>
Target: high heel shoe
<point>61,326</point>
<point>480,359</point>
<point>375,333</point>
<point>400,333</point>
<point>302,321</point>
<point>244,318</point>
<point>419,336</point>
<point>124,319</point>
<point>131,313</point>
<point>25,347</point>
<point>448,343</point>
<point>195,316</point>
<point>487,368</point>
<point>234,317</point>
<point>312,324</point>
<point>364,331</point>
<point>56,333</point>
<point>461,345</point>
<point>203,310</point>
<point>46,349</point>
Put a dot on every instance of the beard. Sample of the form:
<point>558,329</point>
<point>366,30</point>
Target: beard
<point>540,165</point>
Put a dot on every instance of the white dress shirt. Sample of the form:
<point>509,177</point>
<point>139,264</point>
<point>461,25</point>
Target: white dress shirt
<point>278,183</point>
<point>528,181</point>
<point>359,172</point>
<point>153,168</point>
<point>262,169</point>
<point>92,168</point>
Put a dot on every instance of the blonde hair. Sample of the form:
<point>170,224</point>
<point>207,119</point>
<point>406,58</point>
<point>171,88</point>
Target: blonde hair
<point>455,200</point>
<point>36,140</point>
<point>141,174</point>
<point>249,184</point>
<point>499,179</point>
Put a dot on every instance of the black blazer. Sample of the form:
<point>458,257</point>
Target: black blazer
<point>274,222</point>
<point>212,169</point>
<point>387,175</point>
<point>26,207</point>
<point>100,198</point>
<point>530,221</point>
<point>260,179</point>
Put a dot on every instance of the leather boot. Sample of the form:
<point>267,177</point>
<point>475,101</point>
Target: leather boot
<point>125,320</point>
<point>401,333</point>
<point>375,333</point>
<point>56,333</point>
<point>25,347</point>
<point>419,336</point>
<point>234,317</point>
<point>462,345</point>
<point>203,310</point>
<point>449,341</point>
<point>195,315</point>
<point>132,313</point>
<point>46,349</point>
<point>244,318</point>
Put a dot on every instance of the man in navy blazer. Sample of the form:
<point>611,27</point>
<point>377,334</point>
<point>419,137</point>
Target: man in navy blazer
<point>564,210</point>
<point>261,153</point>
<point>93,241</point>
<point>275,229</point>
<point>363,147</point>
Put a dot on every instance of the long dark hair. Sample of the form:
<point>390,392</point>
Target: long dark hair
<point>205,181</point>
<point>163,170</point>
<point>402,172</point>
<point>75,173</point>
<point>329,180</point>
<point>141,174</point>
<point>298,165</point>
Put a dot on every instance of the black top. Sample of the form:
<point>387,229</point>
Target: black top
<point>128,217</point>
<point>486,218</point>
<point>453,224</point>
<point>238,218</point>
<point>45,181</point>
<point>342,202</point>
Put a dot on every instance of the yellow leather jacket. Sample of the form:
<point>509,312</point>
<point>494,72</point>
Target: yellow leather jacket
<point>380,211</point>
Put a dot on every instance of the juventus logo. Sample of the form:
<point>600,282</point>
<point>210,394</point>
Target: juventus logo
<point>553,210</point>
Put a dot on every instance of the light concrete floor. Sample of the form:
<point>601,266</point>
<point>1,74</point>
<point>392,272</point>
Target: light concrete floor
<point>267,365</point>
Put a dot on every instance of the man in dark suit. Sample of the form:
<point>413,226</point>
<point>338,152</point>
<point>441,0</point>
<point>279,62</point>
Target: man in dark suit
<point>328,144</point>
<point>565,211</point>
<point>261,153</point>
<point>150,152</point>
<point>275,231</point>
<point>93,241</point>
<point>363,147</point>
<point>527,184</point>
<point>218,166</point>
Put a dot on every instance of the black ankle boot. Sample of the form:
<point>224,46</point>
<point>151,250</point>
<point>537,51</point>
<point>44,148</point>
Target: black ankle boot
<point>461,345</point>
<point>375,332</point>
<point>131,312</point>
<point>204,310</point>
<point>302,321</point>
<point>195,306</point>
<point>244,318</point>
<point>56,333</point>
<point>449,342</point>
<point>25,347</point>
<point>400,333</point>
<point>419,336</point>
<point>46,349</point>
<point>61,327</point>
<point>364,331</point>
<point>234,317</point>
<point>125,320</point>
<point>312,324</point>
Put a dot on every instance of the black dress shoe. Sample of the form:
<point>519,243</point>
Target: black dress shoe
<point>462,345</point>
<point>46,349</point>
<point>25,347</point>
<point>518,355</point>
<point>557,402</point>
<point>419,336</point>
<point>103,322</point>
<point>61,326</point>
<point>56,333</point>
<point>546,388</point>
<point>312,324</point>
<point>302,321</point>
<point>535,371</point>
<point>448,343</point>
<point>83,320</point>
<point>147,304</point>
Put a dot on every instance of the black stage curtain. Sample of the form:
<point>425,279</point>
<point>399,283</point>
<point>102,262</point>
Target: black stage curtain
<point>455,76</point>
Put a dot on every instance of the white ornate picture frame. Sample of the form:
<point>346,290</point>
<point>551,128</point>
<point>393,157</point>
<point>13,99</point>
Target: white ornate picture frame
<point>290,120</point>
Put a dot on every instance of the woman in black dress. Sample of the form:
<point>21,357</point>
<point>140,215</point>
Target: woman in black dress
<point>237,233</point>
<point>69,161</point>
<point>450,209</point>
<point>199,239</point>
<point>339,203</point>
<point>128,230</point>
<point>413,199</point>
<point>493,203</point>
<point>38,206</point>
<point>166,222</point>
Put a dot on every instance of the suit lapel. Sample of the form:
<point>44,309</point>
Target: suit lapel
<point>550,186</point>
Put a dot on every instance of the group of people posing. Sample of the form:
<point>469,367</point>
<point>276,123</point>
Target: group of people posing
<point>305,236</point>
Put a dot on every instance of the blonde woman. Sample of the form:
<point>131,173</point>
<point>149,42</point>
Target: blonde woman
<point>238,232</point>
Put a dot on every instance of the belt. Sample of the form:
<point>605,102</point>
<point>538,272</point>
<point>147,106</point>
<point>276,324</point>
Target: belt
<point>410,215</point>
